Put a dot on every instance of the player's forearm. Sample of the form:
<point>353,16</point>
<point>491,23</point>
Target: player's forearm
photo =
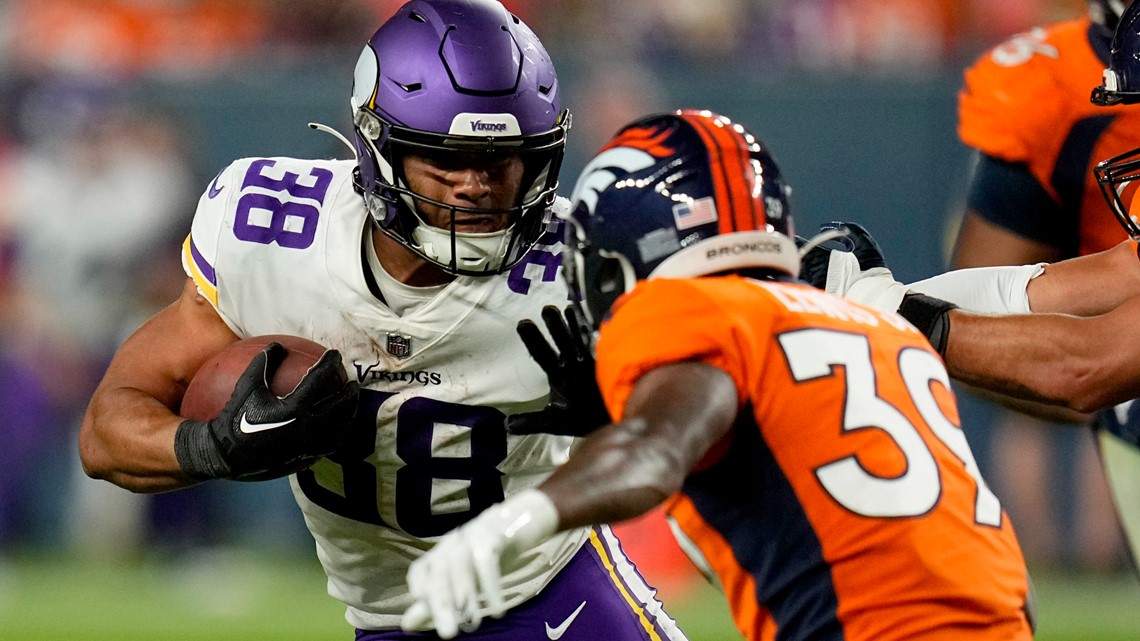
<point>987,290</point>
<point>1084,286</point>
<point>673,416</point>
<point>1088,285</point>
<point>1050,358</point>
<point>613,476</point>
<point>127,438</point>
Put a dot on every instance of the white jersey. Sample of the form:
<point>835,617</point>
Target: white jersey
<point>276,245</point>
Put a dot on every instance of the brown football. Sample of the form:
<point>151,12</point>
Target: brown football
<point>214,382</point>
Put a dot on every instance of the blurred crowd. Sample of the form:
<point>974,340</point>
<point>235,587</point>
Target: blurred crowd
<point>100,183</point>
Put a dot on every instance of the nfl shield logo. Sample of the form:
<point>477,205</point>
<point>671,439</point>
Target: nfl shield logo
<point>399,346</point>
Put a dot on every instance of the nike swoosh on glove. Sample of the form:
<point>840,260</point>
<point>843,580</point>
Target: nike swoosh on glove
<point>259,436</point>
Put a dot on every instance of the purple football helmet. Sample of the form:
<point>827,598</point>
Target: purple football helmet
<point>676,195</point>
<point>463,77</point>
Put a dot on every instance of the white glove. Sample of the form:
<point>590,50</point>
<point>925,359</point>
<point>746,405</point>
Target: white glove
<point>875,287</point>
<point>458,581</point>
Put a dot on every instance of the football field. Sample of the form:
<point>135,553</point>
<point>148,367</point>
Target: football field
<point>237,596</point>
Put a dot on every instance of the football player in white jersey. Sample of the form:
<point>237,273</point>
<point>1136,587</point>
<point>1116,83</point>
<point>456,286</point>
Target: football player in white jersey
<point>413,264</point>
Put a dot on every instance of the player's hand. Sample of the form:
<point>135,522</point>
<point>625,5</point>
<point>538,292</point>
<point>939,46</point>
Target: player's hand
<point>576,407</point>
<point>458,581</point>
<point>852,238</point>
<point>853,266</point>
<point>259,436</point>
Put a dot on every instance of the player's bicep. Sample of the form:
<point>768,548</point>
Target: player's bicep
<point>1089,285</point>
<point>675,413</point>
<point>982,243</point>
<point>686,407</point>
<point>161,357</point>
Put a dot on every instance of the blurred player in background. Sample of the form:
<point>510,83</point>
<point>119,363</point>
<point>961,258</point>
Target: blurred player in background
<point>743,400</point>
<point>1032,198</point>
<point>413,263</point>
<point>1083,364</point>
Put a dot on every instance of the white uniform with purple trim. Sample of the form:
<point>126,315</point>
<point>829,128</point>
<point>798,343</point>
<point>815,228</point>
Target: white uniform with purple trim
<point>276,246</point>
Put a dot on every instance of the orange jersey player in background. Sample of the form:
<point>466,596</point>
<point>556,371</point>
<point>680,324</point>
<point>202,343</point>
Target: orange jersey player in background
<point>1025,108</point>
<point>806,448</point>
<point>1033,198</point>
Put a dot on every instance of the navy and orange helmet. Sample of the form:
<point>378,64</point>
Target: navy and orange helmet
<point>677,195</point>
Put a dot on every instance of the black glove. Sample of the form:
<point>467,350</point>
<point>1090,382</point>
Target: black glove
<point>576,407</point>
<point>258,436</point>
<point>856,239</point>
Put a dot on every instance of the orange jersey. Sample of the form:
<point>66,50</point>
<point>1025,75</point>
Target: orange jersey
<point>846,503</point>
<point>1027,101</point>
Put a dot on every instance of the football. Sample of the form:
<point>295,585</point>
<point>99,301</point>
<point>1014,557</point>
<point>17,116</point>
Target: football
<point>214,382</point>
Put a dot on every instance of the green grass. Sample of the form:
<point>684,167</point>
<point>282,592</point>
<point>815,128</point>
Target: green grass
<point>237,596</point>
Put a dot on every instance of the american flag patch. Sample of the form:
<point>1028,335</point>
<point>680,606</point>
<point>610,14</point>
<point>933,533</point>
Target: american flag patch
<point>697,212</point>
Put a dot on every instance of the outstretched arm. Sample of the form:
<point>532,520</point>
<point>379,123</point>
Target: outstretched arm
<point>1055,369</point>
<point>1085,364</point>
<point>672,418</point>
<point>1088,285</point>
<point>1084,286</point>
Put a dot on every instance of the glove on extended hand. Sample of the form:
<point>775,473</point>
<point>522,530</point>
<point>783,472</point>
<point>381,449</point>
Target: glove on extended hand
<point>853,266</point>
<point>576,407</point>
<point>458,581</point>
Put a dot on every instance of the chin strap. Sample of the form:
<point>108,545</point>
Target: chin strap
<point>336,134</point>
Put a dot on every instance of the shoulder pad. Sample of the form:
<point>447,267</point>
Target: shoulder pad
<point>1027,89</point>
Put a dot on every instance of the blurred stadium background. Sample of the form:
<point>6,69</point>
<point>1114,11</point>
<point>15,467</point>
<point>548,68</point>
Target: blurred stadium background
<point>115,114</point>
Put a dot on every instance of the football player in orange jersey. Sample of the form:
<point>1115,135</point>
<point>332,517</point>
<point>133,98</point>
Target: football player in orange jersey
<point>1024,109</point>
<point>806,448</point>
<point>1082,363</point>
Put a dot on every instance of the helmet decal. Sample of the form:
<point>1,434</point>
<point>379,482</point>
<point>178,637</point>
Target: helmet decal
<point>364,80</point>
<point>675,195</point>
<point>605,169</point>
<point>650,139</point>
